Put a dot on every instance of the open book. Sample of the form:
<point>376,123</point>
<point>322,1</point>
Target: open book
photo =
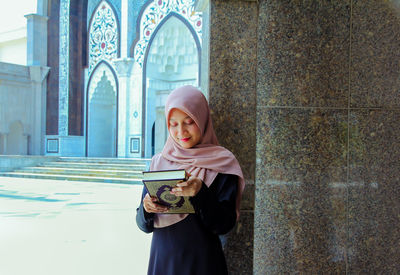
<point>159,184</point>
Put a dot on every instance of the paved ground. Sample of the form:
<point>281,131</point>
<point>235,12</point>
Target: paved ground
<point>65,227</point>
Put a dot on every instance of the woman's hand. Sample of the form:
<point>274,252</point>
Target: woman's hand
<point>188,188</point>
<point>151,206</point>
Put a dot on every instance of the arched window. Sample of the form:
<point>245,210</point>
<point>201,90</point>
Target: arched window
<point>103,35</point>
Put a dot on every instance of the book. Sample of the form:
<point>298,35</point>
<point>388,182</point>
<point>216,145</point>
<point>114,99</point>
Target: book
<point>160,183</point>
<point>179,174</point>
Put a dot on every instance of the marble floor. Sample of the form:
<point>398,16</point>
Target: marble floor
<point>75,228</point>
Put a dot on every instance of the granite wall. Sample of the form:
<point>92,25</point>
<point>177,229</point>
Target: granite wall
<point>306,94</point>
<point>232,97</point>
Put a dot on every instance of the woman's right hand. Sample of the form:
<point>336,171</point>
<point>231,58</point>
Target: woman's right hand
<point>151,206</point>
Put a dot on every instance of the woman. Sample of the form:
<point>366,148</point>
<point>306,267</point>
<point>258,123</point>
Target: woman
<point>188,244</point>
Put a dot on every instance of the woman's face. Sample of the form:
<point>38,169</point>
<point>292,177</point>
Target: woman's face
<point>183,129</point>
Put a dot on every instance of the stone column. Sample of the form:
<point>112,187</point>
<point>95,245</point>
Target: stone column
<point>124,69</point>
<point>328,146</point>
<point>374,139</point>
<point>325,135</point>
<point>38,76</point>
<point>36,40</point>
<point>232,98</point>
<point>302,123</point>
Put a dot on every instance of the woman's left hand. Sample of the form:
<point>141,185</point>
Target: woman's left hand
<point>188,188</point>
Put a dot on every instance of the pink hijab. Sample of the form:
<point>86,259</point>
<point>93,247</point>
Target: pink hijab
<point>205,160</point>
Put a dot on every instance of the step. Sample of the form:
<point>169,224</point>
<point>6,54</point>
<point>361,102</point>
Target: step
<point>72,178</point>
<point>106,160</point>
<point>82,165</point>
<point>82,172</point>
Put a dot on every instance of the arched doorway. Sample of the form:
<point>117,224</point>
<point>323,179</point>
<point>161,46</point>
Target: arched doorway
<point>171,60</point>
<point>102,113</point>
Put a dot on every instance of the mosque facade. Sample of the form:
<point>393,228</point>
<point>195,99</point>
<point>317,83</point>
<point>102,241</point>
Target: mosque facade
<point>107,68</point>
<point>132,55</point>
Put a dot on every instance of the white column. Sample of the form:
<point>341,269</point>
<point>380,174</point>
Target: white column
<point>42,6</point>
<point>25,145</point>
<point>124,69</point>
<point>38,75</point>
<point>136,119</point>
<point>124,29</point>
<point>161,127</point>
<point>3,143</point>
<point>36,54</point>
<point>37,61</point>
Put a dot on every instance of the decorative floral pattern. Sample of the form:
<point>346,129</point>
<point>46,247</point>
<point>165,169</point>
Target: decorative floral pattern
<point>63,69</point>
<point>103,36</point>
<point>156,12</point>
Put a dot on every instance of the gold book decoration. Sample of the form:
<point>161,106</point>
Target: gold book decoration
<point>160,183</point>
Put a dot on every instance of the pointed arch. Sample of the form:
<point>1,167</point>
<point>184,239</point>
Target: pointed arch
<point>153,13</point>
<point>101,70</point>
<point>104,34</point>
<point>152,16</point>
<point>145,104</point>
<point>154,34</point>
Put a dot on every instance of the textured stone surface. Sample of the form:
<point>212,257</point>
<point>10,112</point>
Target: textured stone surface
<point>239,246</point>
<point>300,208</point>
<point>327,178</point>
<point>374,192</point>
<point>247,202</point>
<point>232,78</point>
<point>375,54</point>
<point>303,53</point>
<point>232,97</point>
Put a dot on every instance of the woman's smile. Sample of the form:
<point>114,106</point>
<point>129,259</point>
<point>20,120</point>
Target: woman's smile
<point>183,129</point>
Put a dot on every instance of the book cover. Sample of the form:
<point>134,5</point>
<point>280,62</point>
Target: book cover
<point>160,183</point>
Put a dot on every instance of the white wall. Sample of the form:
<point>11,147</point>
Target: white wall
<point>17,97</point>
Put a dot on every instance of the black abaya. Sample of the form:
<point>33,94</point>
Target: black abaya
<point>192,246</point>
